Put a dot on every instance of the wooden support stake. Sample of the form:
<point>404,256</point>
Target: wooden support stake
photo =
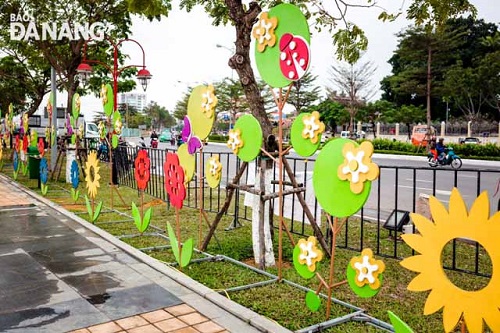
<point>262,244</point>
<point>332,265</point>
<point>225,207</point>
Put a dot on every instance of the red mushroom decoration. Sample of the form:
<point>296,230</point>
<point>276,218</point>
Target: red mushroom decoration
<point>294,57</point>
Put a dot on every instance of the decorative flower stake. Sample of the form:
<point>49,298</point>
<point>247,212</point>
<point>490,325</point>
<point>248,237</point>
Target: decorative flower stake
<point>75,181</point>
<point>364,274</point>
<point>263,31</point>
<point>235,142</point>
<point>358,166</point>
<point>313,127</point>
<point>174,185</point>
<point>44,173</point>
<point>92,178</point>
<point>142,174</point>
<point>474,306</point>
<point>208,101</point>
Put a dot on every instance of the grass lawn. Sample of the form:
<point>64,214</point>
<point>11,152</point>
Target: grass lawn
<point>279,301</point>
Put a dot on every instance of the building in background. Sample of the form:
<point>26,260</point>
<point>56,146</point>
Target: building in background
<point>133,99</point>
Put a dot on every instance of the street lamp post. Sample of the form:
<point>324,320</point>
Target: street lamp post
<point>143,75</point>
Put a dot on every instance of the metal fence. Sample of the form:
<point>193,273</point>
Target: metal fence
<point>398,191</point>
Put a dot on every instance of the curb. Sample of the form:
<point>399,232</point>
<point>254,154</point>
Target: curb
<point>248,316</point>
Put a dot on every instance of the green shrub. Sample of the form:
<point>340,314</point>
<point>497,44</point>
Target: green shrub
<point>218,138</point>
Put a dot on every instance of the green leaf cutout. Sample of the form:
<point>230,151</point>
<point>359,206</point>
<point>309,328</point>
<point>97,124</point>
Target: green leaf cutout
<point>1,165</point>
<point>73,139</point>
<point>89,207</point>
<point>173,241</point>
<point>313,301</point>
<point>15,175</point>
<point>137,216</point>
<point>399,325</point>
<point>114,140</point>
<point>75,194</point>
<point>44,188</point>
<point>25,169</point>
<point>97,211</point>
<point>147,218</point>
<point>186,252</point>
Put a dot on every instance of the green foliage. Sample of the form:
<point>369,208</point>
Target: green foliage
<point>159,116</point>
<point>218,138</point>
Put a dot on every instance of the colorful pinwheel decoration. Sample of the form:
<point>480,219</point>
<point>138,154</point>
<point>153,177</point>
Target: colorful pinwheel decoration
<point>44,175</point>
<point>75,181</point>
<point>174,185</point>
<point>92,178</point>
<point>142,174</point>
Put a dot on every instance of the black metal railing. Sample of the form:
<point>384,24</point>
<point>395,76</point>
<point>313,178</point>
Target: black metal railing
<point>398,188</point>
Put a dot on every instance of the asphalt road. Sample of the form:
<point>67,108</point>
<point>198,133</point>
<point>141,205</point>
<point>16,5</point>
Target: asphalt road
<point>412,175</point>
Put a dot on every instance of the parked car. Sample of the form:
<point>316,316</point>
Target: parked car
<point>470,141</point>
<point>165,136</point>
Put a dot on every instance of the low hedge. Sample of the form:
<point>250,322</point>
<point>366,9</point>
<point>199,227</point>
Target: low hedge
<point>487,151</point>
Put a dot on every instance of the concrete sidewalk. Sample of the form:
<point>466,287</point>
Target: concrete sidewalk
<point>60,273</point>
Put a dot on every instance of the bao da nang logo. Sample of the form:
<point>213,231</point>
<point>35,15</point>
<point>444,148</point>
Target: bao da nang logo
<point>25,27</point>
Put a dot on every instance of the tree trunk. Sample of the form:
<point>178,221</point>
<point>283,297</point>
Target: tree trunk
<point>240,62</point>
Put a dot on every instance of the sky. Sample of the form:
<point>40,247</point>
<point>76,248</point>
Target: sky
<point>182,50</point>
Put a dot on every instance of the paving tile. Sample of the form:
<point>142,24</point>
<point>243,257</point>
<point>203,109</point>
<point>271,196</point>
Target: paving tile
<point>193,318</point>
<point>170,324</point>
<point>140,299</point>
<point>110,327</point>
<point>145,329</point>
<point>83,330</point>
<point>180,310</point>
<point>208,327</point>
<point>156,316</point>
<point>186,330</point>
<point>131,322</point>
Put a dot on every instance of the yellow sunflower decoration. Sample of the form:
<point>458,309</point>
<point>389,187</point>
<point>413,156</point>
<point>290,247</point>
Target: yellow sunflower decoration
<point>358,166</point>
<point>457,222</point>
<point>92,174</point>
<point>235,142</point>
<point>208,101</point>
<point>263,31</point>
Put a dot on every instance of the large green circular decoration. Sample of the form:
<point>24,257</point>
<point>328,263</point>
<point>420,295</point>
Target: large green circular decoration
<point>187,161</point>
<point>303,146</point>
<point>108,98</point>
<point>335,195</point>
<point>365,291</point>
<point>202,119</point>
<point>293,24</point>
<point>251,135</point>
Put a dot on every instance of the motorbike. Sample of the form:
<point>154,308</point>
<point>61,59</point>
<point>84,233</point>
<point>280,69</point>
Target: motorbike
<point>103,152</point>
<point>450,158</point>
<point>154,143</point>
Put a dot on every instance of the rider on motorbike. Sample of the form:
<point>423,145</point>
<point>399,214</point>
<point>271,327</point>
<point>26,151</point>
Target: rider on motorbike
<point>154,139</point>
<point>440,149</point>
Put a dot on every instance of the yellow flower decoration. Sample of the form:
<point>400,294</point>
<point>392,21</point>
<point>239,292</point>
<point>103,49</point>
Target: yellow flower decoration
<point>476,224</point>
<point>208,101</point>
<point>102,129</point>
<point>367,269</point>
<point>235,142</point>
<point>313,127</point>
<point>104,94</point>
<point>118,126</point>
<point>78,103</point>
<point>309,253</point>
<point>215,166</point>
<point>263,31</point>
<point>358,166</point>
<point>80,131</point>
<point>92,174</point>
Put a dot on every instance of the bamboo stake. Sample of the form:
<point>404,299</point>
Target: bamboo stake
<point>332,265</point>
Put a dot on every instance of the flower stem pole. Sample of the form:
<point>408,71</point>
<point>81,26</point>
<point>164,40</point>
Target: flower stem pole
<point>142,207</point>
<point>200,174</point>
<point>334,230</point>
<point>178,231</point>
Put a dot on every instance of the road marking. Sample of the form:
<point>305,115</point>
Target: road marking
<point>420,180</point>
<point>440,192</point>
